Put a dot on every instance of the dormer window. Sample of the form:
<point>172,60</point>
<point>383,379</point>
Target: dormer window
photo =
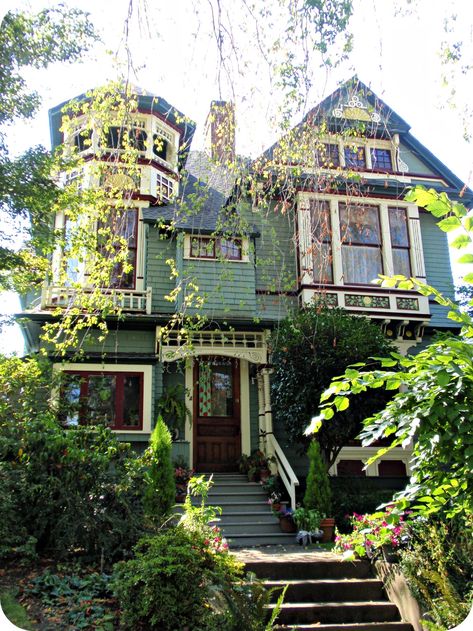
<point>327,156</point>
<point>355,157</point>
<point>381,159</point>
<point>212,248</point>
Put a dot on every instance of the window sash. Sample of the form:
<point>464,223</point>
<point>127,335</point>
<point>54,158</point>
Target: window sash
<point>122,224</point>
<point>381,159</point>
<point>113,399</point>
<point>321,238</point>
<point>212,248</point>
<point>355,157</point>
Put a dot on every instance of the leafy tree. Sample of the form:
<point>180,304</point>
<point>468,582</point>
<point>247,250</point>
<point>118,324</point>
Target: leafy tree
<point>309,349</point>
<point>432,408</point>
<point>318,495</point>
<point>160,489</point>
<point>27,189</point>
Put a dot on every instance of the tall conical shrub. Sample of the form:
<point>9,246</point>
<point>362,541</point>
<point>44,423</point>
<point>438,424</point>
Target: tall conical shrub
<point>160,489</point>
<point>318,494</point>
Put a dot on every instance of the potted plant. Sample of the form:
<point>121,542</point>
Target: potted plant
<point>318,495</point>
<point>286,520</point>
<point>256,465</point>
<point>172,407</point>
<point>182,475</point>
<point>307,522</point>
<point>273,488</point>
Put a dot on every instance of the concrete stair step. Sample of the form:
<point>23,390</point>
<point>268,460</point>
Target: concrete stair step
<point>238,506</point>
<point>278,568</point>
<point>248,540</point>
<point>337,612</point>
<point>263,517</point>
<point>350,626</point>
<point>251,528</point>
<point>330,590</point>
<point>253,495</point>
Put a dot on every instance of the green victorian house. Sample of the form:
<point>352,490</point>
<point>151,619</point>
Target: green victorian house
<point>239,245</point>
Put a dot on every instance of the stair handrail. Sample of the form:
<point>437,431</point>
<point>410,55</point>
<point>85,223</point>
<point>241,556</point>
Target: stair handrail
<point>285,470</point>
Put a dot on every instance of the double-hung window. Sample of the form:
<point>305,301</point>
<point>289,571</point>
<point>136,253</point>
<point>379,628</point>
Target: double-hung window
<point>103,398</point>
<point>120,229</point>
<point>321,238</point>
<point>399,241</point>
<point>360,236</point>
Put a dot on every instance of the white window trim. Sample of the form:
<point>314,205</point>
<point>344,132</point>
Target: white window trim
<point>245,256</point>
<point>147,372</point>
<point>305,237</point>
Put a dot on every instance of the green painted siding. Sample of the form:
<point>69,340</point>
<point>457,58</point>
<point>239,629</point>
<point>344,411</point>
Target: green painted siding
<point>437,265</point>
<point>158,274</point>
<point>414,164</point>
<point>274,307</point>
<point>227,287</point>
<point>120,341</point>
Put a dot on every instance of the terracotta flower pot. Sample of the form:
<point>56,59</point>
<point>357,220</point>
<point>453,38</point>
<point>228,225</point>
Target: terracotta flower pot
<point>328,526</point>
<point>287,524</point>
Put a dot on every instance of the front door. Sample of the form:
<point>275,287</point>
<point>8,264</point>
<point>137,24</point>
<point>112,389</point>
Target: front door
<point>217,440</point>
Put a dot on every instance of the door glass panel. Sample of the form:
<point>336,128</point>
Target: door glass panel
<point>215,388</point>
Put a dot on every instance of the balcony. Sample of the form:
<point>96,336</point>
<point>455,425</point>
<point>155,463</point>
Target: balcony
<point>126,300</point>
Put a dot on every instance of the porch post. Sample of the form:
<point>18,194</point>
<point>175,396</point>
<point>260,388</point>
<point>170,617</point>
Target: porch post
<point>267,408</point>
<point>261,409</point>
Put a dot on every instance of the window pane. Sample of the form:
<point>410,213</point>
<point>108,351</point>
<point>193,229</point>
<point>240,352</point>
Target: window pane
<point>381,159</point>
<point>160,147</point>
<point>70,398</point>
<point>230,249</point>
<point>137,138</point>
<point>355,156</point>
<point>115,137</point>
<point>202,247</point>
<point>101,400</point>
<point>320,220</point>
<point>327,156</point>
<point>401,262</point>
<point>322,262</point>
<point>398,227</point>
<point>131,400</point>
<point>359,224</point>
<point>83,139</point>
<point>215,388</point>
<point>121,280</point>
<point>361,264</point>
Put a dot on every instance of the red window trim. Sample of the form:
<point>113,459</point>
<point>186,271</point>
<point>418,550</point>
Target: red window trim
<point>119,425</point>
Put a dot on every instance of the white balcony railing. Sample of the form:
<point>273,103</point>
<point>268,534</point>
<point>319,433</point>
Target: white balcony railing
<point>128,300</point>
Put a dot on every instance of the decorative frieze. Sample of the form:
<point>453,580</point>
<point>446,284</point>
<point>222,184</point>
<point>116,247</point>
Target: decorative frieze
<point>409,304</point>
<point>358,300</point>
<point>328,300</point>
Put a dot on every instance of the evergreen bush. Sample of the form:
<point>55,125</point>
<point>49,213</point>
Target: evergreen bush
<point>318,495</point>
<point>160,491</point>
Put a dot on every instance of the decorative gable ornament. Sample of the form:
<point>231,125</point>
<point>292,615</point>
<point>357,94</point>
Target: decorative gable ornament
<point>355,109</point>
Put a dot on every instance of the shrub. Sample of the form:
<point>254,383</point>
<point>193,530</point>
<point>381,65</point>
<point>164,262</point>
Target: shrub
<point>160,491</point>
<point>318,495</point>
<point>75,490</point>
<point>438,565</point>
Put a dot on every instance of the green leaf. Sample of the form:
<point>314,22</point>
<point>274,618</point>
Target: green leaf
<point>468,278</point>
<point>443,378</point>
<point>393,384</point>
<point>341,403</point>
<point>461,242</point>
<point>465,258</point>
<point>449,223</point>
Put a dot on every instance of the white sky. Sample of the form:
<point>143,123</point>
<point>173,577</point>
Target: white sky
<point>174,54</point>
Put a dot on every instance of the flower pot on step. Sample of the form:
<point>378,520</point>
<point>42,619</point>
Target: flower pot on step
<point>287,524</point>
<point>328,527</point>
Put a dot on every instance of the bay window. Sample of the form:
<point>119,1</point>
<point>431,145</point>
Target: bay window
<point>353,241</point>
<point>121,228</point>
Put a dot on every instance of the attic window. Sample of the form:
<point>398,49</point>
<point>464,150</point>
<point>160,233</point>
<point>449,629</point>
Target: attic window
<point>212,248</point>
<point>164,188</point>
<point>381,159</point>
<point>327,156</point>
<point>160,147</point>
<point>355,157</point>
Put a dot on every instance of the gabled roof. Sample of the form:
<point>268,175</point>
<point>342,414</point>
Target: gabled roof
<point>355,106</point>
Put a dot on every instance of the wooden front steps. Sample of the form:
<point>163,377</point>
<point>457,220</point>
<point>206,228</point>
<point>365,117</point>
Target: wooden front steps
<point>323,593</point>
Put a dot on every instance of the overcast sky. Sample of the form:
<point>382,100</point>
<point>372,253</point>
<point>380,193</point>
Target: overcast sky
<point>174,56</point>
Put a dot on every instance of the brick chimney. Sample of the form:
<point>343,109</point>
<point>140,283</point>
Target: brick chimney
<point>221,132</point>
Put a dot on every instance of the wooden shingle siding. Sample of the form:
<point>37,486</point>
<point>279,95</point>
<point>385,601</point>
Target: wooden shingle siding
<point>275,250</point>
<point>121,341</point>
<point>437,265</point>
<point>158,271</point>
<point>227,287</point>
